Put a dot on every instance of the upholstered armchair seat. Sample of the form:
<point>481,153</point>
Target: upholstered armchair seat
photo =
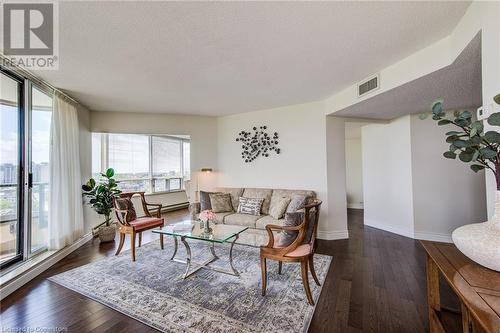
<point>144,223</point>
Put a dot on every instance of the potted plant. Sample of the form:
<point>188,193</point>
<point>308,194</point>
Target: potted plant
<point>101,196</point>
<point>472,144</point>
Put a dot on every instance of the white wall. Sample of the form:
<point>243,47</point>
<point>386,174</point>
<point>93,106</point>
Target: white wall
<point>354,173</point>
<point>336,178</point>
<point>410,188</point>
<point>387,176</point>
<point>302,163</point>
<point>446,193</point>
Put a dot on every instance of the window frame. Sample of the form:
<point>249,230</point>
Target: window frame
<point>105,162</point>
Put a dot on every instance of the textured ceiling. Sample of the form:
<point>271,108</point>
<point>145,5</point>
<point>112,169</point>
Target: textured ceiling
<point>217,58</point>
<point>458,84</point>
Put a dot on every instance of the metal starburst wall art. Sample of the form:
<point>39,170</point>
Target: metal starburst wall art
<point>257,143</point>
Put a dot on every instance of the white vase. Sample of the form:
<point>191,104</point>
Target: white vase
<point>481,241</point>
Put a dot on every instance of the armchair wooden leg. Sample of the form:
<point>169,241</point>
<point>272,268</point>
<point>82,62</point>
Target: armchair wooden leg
<point>122,240</point>
<point>313,272</point>
<point>140,239</point>
<point>305,280</point>
<point>264,274</point>
<point>280,265</point>
<point>132,245</point>
<point>161,241</point>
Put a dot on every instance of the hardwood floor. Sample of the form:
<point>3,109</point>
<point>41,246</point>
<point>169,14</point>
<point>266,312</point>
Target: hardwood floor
<point>376,283</point>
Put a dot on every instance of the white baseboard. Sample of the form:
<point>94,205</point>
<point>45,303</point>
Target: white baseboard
<point>433,236</point>
<point>355,205</point>
<point>17,282</point>
<point>390,228</point>
<point>332,235</point>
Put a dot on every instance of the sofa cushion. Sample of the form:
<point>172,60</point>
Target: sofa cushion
<point>278,206</point>
<point>221,202</point>
<point>126,204</point>
<point>286,237</point>
<point>297,203</point>
<point>265,193</point>
<point>205,200</point>
<point>267,219</point>
<point>219,217</point>
<point>235,192</point>
<point>241,219</point>
<point>310,195</point>
<point>250,206</point>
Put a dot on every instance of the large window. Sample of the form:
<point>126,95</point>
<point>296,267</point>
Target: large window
<point>150,163</point>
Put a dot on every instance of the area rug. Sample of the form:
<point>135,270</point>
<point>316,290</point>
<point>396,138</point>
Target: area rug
<point>152,291</point>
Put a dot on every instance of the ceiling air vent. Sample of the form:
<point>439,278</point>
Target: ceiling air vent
<point>370,84</point>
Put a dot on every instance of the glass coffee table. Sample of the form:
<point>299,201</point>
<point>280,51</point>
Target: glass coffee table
<point>191,230</point>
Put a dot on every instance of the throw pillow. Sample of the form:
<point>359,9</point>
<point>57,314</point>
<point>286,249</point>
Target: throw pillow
<point>250,206</point>
<point>126,204</point>
<point>205,203</point>
<point>285,238</point>
<point>278,207</point>
<point>298,202</point>
<point>221,202</point>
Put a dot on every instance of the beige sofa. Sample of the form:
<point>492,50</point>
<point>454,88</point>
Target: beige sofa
<point>257,222</point>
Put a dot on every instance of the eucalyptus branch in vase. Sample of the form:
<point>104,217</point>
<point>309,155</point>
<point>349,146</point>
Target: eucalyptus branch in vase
<point>469,141</point>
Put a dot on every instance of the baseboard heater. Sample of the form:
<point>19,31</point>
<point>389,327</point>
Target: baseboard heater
<point>178,206</point>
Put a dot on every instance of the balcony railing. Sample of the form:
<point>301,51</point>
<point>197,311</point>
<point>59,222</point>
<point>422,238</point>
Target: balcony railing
<point>9,218</point>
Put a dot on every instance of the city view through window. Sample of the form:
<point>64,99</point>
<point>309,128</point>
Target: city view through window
<point>150,163</point>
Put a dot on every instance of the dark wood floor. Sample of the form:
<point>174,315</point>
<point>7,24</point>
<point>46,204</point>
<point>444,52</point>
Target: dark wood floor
<point>376,283</point>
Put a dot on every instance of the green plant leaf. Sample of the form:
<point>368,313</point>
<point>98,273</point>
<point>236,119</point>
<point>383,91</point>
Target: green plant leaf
<point>453,133</point>
<point>465,157</point>
<point>475,155</point>
<point>452,138</point>
<point>465,115</point>
<point>86,188</point>
<point>437,106</point>
<point>473,131</point>
<point>423,116</point>
<point>444,122</point>
<point>110,172</point>
<point>492,137</point>
<point>488,153</point>
<point>497,99</point>
<point>494,119</point>
<point>459,143</point>
<point>456,113</point>
<point>449,154</point>
<point>476,167</point>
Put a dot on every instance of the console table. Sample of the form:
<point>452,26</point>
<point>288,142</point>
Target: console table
<point>477,287</point>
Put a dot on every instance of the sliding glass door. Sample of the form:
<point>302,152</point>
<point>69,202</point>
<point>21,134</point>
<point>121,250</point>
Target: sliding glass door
<point>11,175</point>
<point>39,138</point>
<point>25,120</point>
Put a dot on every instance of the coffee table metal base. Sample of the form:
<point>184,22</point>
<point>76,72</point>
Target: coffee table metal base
<point>206,264</point>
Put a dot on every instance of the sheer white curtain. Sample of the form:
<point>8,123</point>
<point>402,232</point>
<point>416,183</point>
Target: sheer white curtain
<point>66,210</point>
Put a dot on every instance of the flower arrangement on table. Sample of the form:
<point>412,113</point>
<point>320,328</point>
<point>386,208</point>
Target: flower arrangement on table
<point>206,216</point>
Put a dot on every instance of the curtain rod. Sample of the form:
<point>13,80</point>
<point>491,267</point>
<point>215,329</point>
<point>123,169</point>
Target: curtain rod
<point>29,76</point>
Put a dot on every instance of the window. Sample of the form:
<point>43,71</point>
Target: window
<point>149,163</point>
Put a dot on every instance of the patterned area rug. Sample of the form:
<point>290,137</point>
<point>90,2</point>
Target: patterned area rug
<point>152,291</point>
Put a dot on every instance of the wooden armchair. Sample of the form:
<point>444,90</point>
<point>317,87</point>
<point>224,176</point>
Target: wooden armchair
<point>129,223</point>
<point>296,251</point>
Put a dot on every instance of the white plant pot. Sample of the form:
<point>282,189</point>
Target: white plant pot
<point>481,241</point>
